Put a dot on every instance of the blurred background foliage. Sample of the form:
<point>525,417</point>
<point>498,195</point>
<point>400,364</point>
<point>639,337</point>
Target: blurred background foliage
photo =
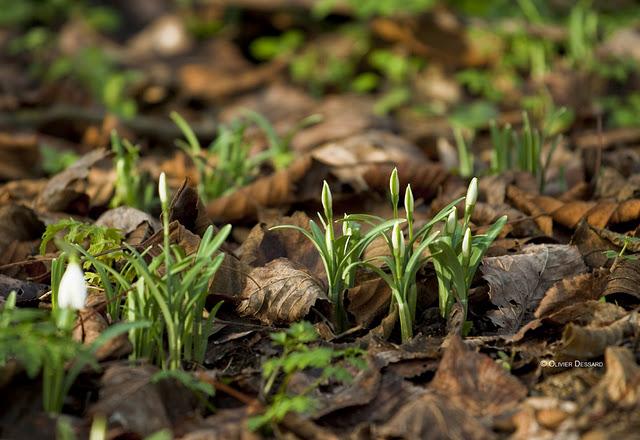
<point>494,56</point>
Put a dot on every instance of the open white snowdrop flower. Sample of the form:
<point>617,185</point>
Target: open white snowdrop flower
<point>72,292</point>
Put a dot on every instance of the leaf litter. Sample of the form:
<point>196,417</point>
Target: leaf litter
<point>549,345</point>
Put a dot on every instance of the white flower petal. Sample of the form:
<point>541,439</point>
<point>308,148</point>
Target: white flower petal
<point>72,292</point>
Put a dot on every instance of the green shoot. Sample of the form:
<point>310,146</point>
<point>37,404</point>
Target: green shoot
<point>226,164</point>
<point>338,253</point>
<point>105,243</point>
<point>170,291</point>
<point>456,254</point>
<point>131,188</point>
<point>407,254</point>
<point>465,155</point>
<point>298,357</point>
<point>42,342</point>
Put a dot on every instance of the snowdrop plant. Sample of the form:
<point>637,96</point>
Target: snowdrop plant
<point>338,253</point>
<point>407,253</point>
<point>131,187</point>
<point>170,292</point>
<point>456,254</point>
<point>48,343</point>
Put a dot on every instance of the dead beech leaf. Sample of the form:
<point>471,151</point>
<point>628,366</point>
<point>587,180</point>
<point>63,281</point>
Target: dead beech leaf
<point>368,300</point>
<point>430,416</point>
<point>281,188</point>
<point>342,117</point>
<point>474,382</point>
<point>570,290</point>
<point>592,243</point>
<point>587,342</point>
<point>590,312</point>
<point>18,223</point>
<point>625,278</point>
<point>263,245</point>
<point>518,282</point>
<point>622,377</point>
<point>67,190</point>
<point>26,291</point>
<point>187,208</point>
<point>211,82</point>
<point>19,156</point>
<point>279,293</point>
<point>569,213</point>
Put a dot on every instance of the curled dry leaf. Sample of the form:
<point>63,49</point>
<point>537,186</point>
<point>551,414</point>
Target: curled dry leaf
<point>187,208</point>
<point>569,213</point>
<point>622,378</point>
<point>625,278</point>
<point>474,382</point>
<point>593,313</point>
<point>263,245</point>
<point>18,223</point>
<point>342,117</point>
<point>368,300</point>
<point>570,290</point>
<point>279,293</point>
<point>281,188</point>
<point>67,191</point>
<point>517,283</point>
<point>587,342</point>
<point>137,226</point>
<point>26,291</point>
<point>430,416</point>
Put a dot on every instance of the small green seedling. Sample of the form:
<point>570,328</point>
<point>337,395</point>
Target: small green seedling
<point>102,242</point>
<point>131,187</point>
<point>523,150</point>
<point>338,253</point>
<point>40,341</point>
<point>297,356</point>
<point>456,254</point>
<point>226,164</point>
<point>279,152</point>
<point>465,155</point>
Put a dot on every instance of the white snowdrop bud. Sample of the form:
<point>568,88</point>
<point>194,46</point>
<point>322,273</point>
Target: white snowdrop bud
<point>466,244</point>
<point>72,292</point>
<point>162,188</point>
<point>409,202</point>
<point>452,220</point>
<point>394,185</point>
<point>327,201</point>
<point>472,195</point>
<point>397,240</point>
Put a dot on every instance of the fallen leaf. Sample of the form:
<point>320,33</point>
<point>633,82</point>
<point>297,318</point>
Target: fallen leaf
<point>474,382</point>
<point>571,290</point>
<point>26,291</point>
<point>279,293</point>
<point>622,377</point>
<point>430,416</point>
<point>263,245</point>
<point>517,283</point>
<point>278,189</point>
<point>368,301</point>
<point>67,190</point>
<point>624,278</point>
<point>587,342</point>
<point>130,400</point>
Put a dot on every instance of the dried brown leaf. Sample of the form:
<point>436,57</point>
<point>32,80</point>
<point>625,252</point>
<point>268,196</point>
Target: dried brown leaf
<point>517,283</point>
<point>67,190</point>
<point>279,293</point>
<point>587,342</point>
<point>474,382</point>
